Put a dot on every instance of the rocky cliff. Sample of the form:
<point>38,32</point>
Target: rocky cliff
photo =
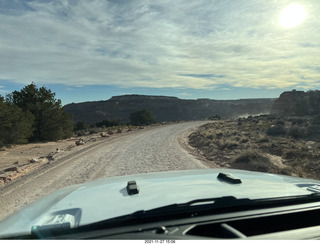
<point>297,103</point>
<point>165,108</point>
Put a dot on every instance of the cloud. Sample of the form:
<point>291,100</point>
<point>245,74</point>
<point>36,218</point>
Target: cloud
<point>3,90</point>
<point>179,44</point>
<point>208,76</point>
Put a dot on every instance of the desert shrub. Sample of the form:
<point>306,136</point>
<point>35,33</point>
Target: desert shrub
<point>295,154</point>
<point>263,140</point>
<point>228,145</point>
<point>298,121</point>
<point>80,125</point>
<point>210,137</point>
<point>271,117</point>
<point>251,156</point>
<point>219,135</point>
<point>108,123</point>
<point>313,132</point>
<point>80,132</point>
<point>316,120</point>
<point>244,140</point>
<point>313,168</point>
<point>142,117</point>
<point>277,130</point>
<point>297,132</point>
<point>256,161</point>
<point>280,122</point>
<point>216,117</point>
<point>94,130</point>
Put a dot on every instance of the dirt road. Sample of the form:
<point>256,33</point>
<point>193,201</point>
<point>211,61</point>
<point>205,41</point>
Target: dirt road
<point>150,150</point>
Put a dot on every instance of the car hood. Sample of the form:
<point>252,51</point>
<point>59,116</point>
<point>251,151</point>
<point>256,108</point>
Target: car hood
<point>108,197</point>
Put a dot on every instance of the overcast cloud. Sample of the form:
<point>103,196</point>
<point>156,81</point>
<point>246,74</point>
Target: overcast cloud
<point>141,43</point>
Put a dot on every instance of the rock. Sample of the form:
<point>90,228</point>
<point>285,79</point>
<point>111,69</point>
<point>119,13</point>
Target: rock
<point>34,160</point>
<point>11,169</point>
<point>50,157</point>
<point>103,134</point>
<point>24,167</point>
<point>119,130</point>
<point>7,175</point>
<point>296,103</point>
<point>80,142</point>
<point>110,132</point>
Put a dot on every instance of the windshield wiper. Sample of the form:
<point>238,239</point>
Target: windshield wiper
<point>227,203</point>
<point>206,206</point>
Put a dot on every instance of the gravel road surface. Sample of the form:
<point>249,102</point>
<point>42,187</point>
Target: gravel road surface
<point>155,149</point>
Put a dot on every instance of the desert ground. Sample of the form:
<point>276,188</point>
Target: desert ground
<point>260,143</point>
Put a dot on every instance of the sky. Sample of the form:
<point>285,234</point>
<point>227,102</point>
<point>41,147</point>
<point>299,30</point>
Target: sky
<point>91,50</point>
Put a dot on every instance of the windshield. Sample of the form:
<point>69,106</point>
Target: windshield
<point>93,90</point>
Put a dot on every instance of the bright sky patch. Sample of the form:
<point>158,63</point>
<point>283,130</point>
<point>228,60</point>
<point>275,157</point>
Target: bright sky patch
<point>292,15</point>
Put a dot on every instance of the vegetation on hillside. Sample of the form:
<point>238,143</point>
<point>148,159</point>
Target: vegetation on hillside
<point>285,142</point>
<point>288,146</point>
<point>33,114</point>
<point>142,117</point>
<point>82,128</point>
<point>109,123</point>
<point>16,126</point>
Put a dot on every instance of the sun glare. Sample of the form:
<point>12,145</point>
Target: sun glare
<point>292,15</point>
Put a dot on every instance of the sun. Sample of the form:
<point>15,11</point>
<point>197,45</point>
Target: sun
<point>292,15</point>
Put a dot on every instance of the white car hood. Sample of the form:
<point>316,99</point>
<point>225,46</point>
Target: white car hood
<point>108,197</point>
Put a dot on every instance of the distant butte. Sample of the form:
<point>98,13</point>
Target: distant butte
<point>165,108</point>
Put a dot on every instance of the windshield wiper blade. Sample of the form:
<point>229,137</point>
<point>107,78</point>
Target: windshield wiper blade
<point>228,203</point>
<point>197,205</point>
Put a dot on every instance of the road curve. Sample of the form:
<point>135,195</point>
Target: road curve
<point>150,150</point>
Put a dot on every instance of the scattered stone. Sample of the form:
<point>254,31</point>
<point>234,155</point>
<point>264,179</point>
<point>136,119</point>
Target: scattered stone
<point>110,132</point>
<point>11,169</point>
<point>80,142</point>
<point>103,134</point>
<point>50,157</point>
<point>24,167</point>
<point>7,175</point>
<point>70,147</point>
<point>119,130</point>
<point>34,160</point>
